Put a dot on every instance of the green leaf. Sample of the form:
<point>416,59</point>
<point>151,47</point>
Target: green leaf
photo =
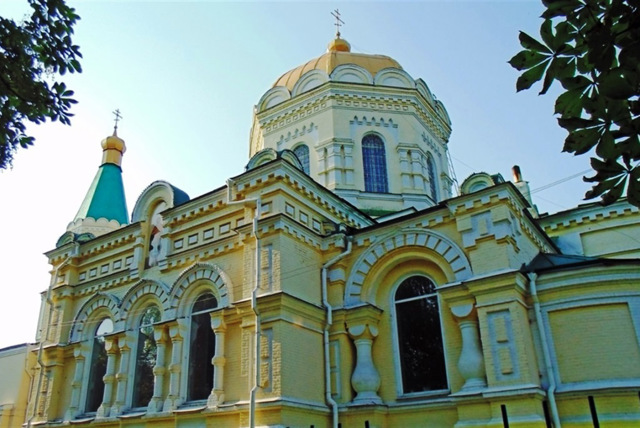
<point>530,43</point>
<point>526,59</point>
<point>546,33</point>
<point>531,76</point>
<point>581,141</point>
<point>613,84</point>
<point>569,104</point>
<point>614,194</point>
<point>573,123</point>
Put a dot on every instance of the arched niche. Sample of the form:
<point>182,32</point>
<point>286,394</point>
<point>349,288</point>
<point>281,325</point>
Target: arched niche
<point>273,97</point>
<point>351,73</point>
<point>145,289</point>
<point>394,77</point>
<point>309,80</point>
<point>446,260</point>
<point>101,302</point>
<point>157,191</point>
<point>443,111</point>
<point>424,90</point>
<point>196,279</point>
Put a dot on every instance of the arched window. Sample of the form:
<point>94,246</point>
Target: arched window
<point>375,164</point>
<point>146,354</point>
<point>433,184</point>
<point>95,389</point>
<point>302,152</point>
<point>419,336</point>
<point>202,349</point>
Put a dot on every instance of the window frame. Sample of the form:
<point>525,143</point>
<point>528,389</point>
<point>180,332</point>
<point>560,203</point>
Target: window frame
<point>306,166</point>
<point>397,361</point>
<point>134,355</point>
<point>188,344</point>
<point>99,318</point>
<point>375,181</point>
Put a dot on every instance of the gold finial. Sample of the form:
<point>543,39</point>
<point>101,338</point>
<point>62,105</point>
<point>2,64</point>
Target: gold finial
<point>118,116</point>
<point>339,22</point>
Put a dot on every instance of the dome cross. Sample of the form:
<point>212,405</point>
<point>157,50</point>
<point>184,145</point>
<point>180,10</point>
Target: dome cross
<point>339,22</point>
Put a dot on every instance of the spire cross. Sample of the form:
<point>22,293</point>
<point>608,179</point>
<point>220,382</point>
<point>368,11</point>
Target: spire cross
<point>118,116</point>
<point>339,22</point>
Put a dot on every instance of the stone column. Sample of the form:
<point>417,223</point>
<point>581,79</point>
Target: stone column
<point>122,376</point>
<point>159,334</point>
<point>365,379</point>
<point>348,164</point>
<point>404,168</point>
<point>416,170</point>
<point>471,361</point>
<point>219,328</point>
<point>177,332</point>
<point>80,353</point>
<point>111,346</point>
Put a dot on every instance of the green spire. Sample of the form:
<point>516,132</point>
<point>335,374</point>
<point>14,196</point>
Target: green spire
<point>105,198</point>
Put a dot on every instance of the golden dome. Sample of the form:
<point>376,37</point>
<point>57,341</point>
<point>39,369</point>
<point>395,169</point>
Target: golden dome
<point>112,149</point>
<point>338,53</point>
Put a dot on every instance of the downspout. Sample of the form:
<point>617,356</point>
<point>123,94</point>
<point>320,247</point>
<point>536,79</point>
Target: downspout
<point>545,350</point>
<point>325,302</point>
<point>46,334</point>
<point>254,301</point>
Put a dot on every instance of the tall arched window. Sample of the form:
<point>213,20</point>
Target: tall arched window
<point>95,389</point>
<point>202,348</point>
<point>420,336</point>
<point>146,354</point>
<point>375,164</point>
<point>302,152</point>
<point>433,184</point>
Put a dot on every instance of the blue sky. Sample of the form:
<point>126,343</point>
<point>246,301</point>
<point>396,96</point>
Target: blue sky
<point>186,76</point>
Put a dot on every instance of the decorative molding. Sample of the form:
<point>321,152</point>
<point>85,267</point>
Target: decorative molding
<point>409,237</point>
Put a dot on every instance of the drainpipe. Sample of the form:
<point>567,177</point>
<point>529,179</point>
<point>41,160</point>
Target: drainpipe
<point>254,301</point>
<point>325,302</point>
<point>49,301</point>
<point>545,350</point>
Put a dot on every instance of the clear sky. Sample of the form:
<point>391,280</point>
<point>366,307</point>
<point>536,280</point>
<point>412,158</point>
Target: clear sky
<point>186,75</point>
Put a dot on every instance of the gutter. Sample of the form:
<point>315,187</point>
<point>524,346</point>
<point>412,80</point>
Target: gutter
<point>325,303</point>
<point>255,384</point>
<point>545,350</point>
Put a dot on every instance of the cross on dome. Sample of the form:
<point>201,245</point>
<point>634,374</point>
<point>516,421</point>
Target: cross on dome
<point>118,116</point>
<point>339,22</point>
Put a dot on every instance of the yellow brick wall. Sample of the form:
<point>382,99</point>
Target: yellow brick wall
<point>595,343</point>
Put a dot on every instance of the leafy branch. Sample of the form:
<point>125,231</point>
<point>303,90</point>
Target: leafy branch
<point>592,48</point>
<point>34,53</point>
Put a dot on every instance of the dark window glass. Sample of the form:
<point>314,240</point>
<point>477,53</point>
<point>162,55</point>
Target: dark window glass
<point>420,336</point>
<point>375,164</point>
<point>147,352</point>
<point>95,389</point>
<point>431,170</point>
<point>302,152</point>
<point>202,348</point>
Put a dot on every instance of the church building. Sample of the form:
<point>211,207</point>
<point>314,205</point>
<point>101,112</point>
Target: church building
<point>342,280</point>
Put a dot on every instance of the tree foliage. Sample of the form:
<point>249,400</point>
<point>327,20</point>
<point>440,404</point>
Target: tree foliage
<point>592,48</point>
<point>34,54</point>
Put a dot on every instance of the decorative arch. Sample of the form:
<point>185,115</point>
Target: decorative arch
<point>424,90</point>
<point>273,97</point>
<point>443,111</point>
<point>158,190</point>
<point>142,288</point>
<point>394,77</point>
<point>309,80</point>
<point>201,272</point>
<point>262,157</point>
<point>100,301</point>
<point>351,73</point>
<point>410,237</point>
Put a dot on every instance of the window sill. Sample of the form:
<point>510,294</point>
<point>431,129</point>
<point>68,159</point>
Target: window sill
<point>192,407</point>
<point>413,396</point>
